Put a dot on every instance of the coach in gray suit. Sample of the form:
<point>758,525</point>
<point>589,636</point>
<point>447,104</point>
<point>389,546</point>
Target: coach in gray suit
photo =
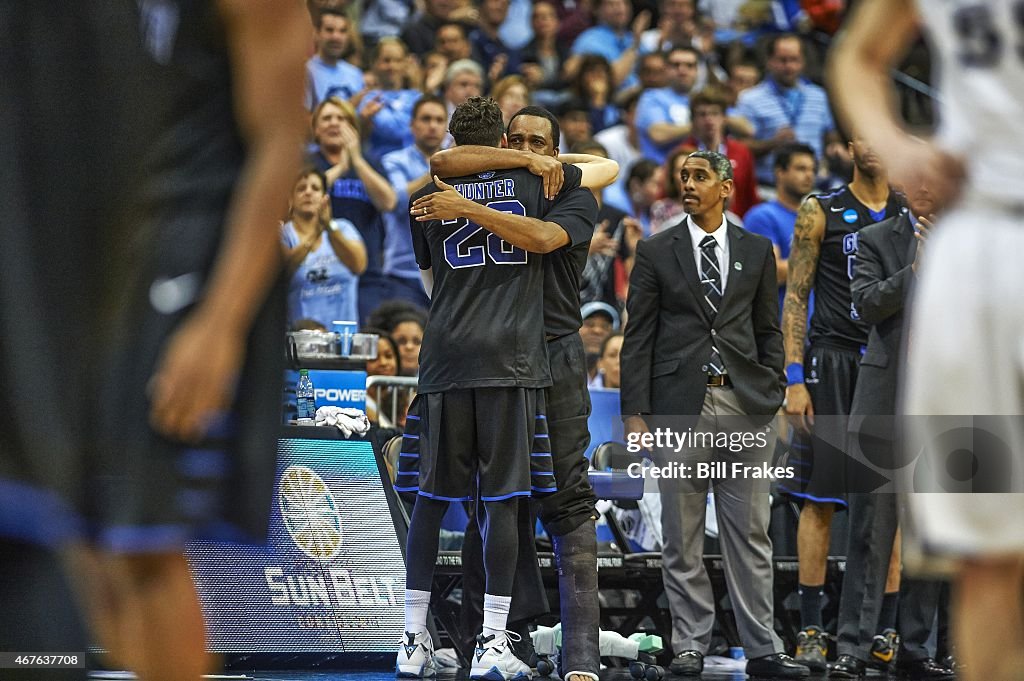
<point>887,258</point>
<point>703,340</point>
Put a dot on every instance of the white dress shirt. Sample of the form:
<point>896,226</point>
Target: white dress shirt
<point>721,246</point>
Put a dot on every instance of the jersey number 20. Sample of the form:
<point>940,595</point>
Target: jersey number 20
<point>501,252</point>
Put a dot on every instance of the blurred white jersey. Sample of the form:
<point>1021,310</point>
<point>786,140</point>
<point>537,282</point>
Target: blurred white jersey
<point>971,361</point>
<point>978,47</point>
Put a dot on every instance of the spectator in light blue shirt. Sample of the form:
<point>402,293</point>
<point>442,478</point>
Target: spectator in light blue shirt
<point>663,115</point>
<point>324,257</point>
<point>327,73</point>
<point>794,179</point>
<point>784,108</point>
<point>407,170</point>
<point>388,109</point>
<point>612,39</point>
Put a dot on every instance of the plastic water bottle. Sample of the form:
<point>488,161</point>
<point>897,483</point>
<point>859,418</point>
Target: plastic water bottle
<point>305,396</point>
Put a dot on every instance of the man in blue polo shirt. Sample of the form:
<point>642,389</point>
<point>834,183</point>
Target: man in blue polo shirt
<point>794,179</point>
<point>663,115</point>
<point>784,107</point>
<point>408,170</point>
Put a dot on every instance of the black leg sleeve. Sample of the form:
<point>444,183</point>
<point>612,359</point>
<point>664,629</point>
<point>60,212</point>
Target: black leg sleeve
<point>421,547</point>
<point>501,545</point>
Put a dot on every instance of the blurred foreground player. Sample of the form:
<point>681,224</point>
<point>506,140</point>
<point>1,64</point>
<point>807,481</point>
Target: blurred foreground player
<point>190,444</point>
<point>194,381</point>
<point>151,466</point>
<point>568,515</point>
<point>966,326</point>
<point>68,72</point>
<point>477,427</point>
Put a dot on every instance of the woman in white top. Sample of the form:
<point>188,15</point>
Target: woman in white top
<point>323,257</point>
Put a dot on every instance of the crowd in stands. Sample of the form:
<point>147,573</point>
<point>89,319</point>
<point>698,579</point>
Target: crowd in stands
<point>642,82</point>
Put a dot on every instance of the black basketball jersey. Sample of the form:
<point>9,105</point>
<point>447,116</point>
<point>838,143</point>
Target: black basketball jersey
<point>834,318</point>
<point>486,323</point>
<point>576,213</point>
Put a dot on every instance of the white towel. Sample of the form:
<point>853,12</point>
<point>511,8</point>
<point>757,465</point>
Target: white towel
<point>347,419</point>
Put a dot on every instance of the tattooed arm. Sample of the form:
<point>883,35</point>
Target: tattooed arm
<point>803,264</point>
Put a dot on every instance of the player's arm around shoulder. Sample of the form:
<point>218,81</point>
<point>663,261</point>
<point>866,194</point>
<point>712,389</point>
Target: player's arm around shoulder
<point>597,172</point>
<point>465,160</point>
<point>529,233</point>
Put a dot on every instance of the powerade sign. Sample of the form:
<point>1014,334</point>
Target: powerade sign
<point>332,577</point>
<point>334,388</point>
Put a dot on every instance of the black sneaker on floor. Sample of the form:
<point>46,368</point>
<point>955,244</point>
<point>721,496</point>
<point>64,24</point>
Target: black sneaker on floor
<point>848,667</point>
<point>777,666</point>
<point>687,663</point>
<point>923,670</point>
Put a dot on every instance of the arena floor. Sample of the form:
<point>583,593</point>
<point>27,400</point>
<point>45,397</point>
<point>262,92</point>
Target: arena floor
<point>606,675</point>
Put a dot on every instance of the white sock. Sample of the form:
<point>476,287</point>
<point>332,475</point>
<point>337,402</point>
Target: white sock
<point>496,614</point>
<point>416,605</point>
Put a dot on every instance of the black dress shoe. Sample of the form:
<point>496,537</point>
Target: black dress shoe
<point>777,666</point>
<point>847,667</point>
<point>687,663</point>
<point>923,670</point>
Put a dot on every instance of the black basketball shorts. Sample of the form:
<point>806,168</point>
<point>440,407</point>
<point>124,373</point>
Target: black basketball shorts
<point>495,439</point>
<point>819,459</point>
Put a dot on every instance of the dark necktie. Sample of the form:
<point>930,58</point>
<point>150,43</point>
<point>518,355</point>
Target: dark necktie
<point>711,278</point>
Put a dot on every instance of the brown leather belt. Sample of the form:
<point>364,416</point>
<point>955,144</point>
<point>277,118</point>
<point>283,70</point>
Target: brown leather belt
<point>721,381</point>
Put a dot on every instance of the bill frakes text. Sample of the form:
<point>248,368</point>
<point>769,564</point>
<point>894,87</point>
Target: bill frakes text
<point>666,438</point>
<point>711,470</point>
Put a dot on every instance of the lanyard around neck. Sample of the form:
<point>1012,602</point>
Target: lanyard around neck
<point>790,106</point>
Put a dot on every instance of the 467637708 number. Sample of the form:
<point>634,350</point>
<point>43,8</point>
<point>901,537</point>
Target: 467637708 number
<point>42,660</point>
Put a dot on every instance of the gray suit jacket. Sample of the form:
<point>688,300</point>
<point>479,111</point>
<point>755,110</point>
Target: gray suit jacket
<point>881,282</point>
<point>669,330</point>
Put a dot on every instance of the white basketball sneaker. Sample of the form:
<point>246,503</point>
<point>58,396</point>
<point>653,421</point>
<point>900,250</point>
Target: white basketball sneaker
<point>493,659</point>
<point>416,657</point>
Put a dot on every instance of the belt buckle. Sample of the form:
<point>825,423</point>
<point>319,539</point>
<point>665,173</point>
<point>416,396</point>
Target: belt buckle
<point>719,381</point>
